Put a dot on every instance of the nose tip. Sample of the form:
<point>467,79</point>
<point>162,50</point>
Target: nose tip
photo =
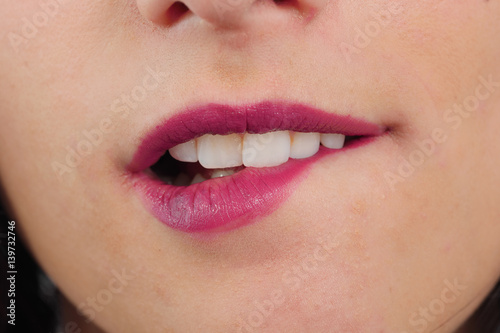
<point>223,13</point>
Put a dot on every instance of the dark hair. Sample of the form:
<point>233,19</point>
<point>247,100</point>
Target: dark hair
<point>487,317</point>
<point>36,298</point>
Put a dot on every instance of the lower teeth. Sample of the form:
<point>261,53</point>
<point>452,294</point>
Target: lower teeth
<point>184,180</point>
<point>221,173</point>
<point>197,179</point>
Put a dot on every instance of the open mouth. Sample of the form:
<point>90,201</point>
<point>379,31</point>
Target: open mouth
<point>219,167</point>
<point>216,156</point>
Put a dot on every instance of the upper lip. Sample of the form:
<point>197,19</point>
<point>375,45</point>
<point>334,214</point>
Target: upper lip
<point>254,118</point>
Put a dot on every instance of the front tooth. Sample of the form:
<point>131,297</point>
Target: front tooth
<point>266,150</point>
<point>333,141</point>
<point>304,145</point>
<point>220,151</point>
<point>185,152</point>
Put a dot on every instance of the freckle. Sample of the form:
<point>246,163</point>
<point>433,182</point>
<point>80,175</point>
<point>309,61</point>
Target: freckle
<point>359,207</point>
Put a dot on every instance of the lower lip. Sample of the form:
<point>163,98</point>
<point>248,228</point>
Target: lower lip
<point>223,204</point>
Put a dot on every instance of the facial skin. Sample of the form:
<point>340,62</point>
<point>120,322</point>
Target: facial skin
<point>365,243</point>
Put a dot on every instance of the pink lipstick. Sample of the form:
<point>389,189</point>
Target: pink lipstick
<point>222,204</point>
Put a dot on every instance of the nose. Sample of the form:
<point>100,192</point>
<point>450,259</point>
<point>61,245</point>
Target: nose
<point>221,13</point>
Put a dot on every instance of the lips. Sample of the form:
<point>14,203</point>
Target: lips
<point>241,198</point>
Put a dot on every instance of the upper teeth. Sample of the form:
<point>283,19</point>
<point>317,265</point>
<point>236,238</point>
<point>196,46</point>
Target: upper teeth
<point>253,150</point>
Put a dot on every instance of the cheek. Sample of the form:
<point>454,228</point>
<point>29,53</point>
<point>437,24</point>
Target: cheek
<point>442,219</point>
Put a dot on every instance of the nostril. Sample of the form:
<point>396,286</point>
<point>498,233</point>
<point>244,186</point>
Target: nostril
<point>175,12</point>
<point>304,9</point>
<point>286,2</point>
